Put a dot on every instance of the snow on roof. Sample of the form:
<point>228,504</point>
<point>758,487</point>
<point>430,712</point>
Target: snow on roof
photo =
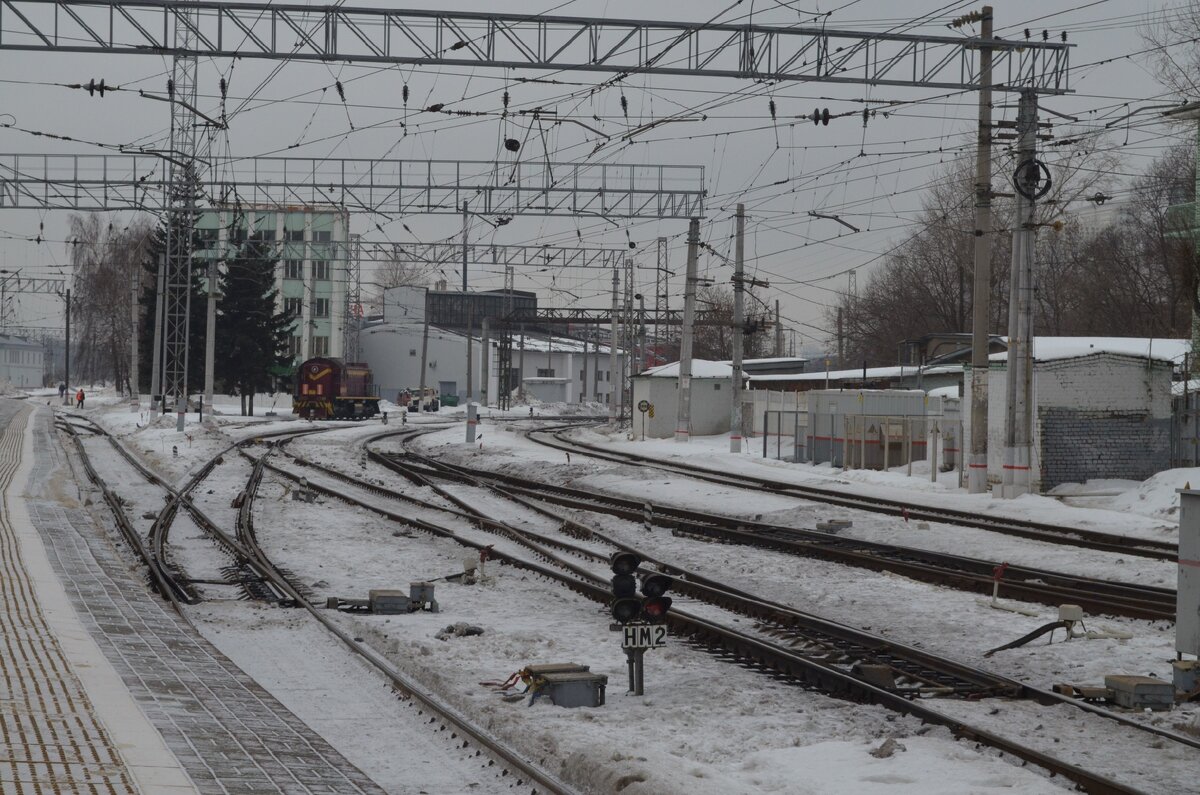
<point>1050,348</point>
<point>771,360</point>
<point>701,368</point>
<point>857,373</point>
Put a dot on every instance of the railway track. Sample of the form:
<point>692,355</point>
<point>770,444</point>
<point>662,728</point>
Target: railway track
<point>1039,531</point>
<point>802,648</point>
<point>244,545</point>
<point>964,573</point>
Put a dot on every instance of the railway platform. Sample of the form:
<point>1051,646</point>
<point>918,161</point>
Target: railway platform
<point>104,689</point>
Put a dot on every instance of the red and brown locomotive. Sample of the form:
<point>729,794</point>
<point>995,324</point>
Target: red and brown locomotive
<point>330,389</point>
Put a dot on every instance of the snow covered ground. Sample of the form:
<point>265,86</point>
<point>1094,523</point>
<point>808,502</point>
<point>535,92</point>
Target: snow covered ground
<point>705,726</point>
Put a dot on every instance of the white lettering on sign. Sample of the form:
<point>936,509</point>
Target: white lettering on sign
<point>644,636</point>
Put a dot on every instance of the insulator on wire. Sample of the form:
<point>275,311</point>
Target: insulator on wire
<point>404,94</point>
<point>341,91</point>
<point>771,107</point>
<point>625,106</point>
<point>224,87</point>
<point>505,99</point>
<point>170,87</point>
<point>820,116</point>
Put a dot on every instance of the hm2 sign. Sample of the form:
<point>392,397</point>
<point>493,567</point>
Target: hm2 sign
<point>644,636</point>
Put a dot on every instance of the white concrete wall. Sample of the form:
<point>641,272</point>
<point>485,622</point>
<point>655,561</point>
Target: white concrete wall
<point>393,352</point>
<point>710,406</point>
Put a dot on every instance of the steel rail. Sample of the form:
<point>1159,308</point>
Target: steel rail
<point>1040,531</point>
<point>964,573</point>
<point>755,650</point>
<point>541,778</point>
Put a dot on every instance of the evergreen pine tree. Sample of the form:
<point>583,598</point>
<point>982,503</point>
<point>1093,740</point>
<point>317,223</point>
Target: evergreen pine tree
<point>252,334</point>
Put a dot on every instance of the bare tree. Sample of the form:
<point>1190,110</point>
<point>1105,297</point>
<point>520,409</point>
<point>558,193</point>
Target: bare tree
<point>105,258</point>
<point>1175,67</point>
<point>924,285</point>
<point>715,341</point>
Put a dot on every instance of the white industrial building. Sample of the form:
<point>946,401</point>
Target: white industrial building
<point>711,385</point>
<point>21,362</point>
<point>550,368</point>
<point>1103,408</point>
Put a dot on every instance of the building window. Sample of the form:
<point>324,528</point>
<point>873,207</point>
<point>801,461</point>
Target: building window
<point>293,306</point>
<point>294,347</point>
<point>320,346</point>
<point>293,269</point>
<point>582,374</point>
<point>294,235</point>
<point>322,237</point>
<point>717,387</point>
<point>321,307</point>
<point>545,372</point>
<point>321,270</point>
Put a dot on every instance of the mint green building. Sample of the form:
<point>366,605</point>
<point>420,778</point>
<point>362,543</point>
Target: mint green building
<point>312,244</point>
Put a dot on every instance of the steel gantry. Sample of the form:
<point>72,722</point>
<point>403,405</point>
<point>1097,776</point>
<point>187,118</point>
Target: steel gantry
<point>186,30</point>
<point>524,41</point>
<point>436,254</point>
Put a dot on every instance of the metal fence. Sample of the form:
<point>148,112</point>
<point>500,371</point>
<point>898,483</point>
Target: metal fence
<point>785,435</point>
<point>865,441</point>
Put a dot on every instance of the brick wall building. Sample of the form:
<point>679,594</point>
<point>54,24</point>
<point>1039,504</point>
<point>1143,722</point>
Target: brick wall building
<point>1103,410</point>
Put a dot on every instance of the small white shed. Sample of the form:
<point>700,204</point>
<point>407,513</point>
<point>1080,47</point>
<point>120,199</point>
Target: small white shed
<point>711,384</point>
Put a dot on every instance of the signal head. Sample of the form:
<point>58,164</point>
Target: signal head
<point>625,610</point>
<point>655,608</point>
<point>624,562</point>
<point>654,585</point>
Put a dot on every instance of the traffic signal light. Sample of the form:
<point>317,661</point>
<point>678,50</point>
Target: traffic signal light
<point>625,605</point>
<point>654,604</point>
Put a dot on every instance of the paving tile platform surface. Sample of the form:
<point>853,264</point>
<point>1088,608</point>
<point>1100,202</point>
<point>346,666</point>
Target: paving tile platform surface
<point>230,734</point>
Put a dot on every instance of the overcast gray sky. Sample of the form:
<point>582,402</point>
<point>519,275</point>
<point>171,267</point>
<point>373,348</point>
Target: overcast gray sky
<point>871,175</point>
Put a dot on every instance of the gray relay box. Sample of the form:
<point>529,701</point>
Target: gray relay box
<point>1140,692</point>
<point>576,688</point>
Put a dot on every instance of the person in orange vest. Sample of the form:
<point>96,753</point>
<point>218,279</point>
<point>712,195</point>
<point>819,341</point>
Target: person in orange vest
<point>79,398</point>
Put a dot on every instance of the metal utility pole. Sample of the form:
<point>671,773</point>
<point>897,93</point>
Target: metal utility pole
<point>662,296</point>
<point>981,291</point>
<point>739,288</point>
<point>156,396</point>
<point>841,342</point>
<point>683,413</point>
<point>181,215</point>
<point>612,352</point>
<point>778,331</point>
<point>641,361</point>
<point>1019,410</point>
<point>464,245</point>
<point>627,336</point>
<point>134,375</point>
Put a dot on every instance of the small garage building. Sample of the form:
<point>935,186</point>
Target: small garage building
<point>711,383</point>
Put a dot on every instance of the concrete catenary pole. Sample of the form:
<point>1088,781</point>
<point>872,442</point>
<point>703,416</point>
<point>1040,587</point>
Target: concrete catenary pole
<point>156,365</point>
<point>683,412</point>
<point>464,248</point>
<point>612,352</point>
<point>67,353</point>
<point>134,375</point>
<point>1018,425</point>
<point>484,363</point>
<point>424,351</point>
<point>210,337</point>
<point>470,363</point>
<point>981,293</point>
<point>739,287</point>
